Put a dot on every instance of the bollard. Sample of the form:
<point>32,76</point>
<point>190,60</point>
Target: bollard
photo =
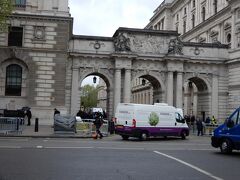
<point>36,125</point>
<point>18,123</point>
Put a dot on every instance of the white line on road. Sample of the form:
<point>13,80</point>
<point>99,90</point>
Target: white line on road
<point>10,147</point>
<point>120,148</point>
<point>68,147</point>
<point>189,165</point>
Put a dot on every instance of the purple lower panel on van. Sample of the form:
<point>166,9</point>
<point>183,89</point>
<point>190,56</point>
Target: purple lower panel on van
<point>151,131</point>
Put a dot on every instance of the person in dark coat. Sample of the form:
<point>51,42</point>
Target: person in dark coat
<point>199,127</point>
<point>29,116</point>
<point>98,123</point>
<point>56,111</point>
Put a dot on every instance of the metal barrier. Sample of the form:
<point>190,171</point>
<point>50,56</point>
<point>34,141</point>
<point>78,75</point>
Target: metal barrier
<point>11,125</point>
<point>86,127</point>
<point>209,128</point>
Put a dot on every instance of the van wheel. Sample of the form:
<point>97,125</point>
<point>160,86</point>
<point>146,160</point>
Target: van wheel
<point>183,135</point>
<point>125,137</point>
<point>226,146</point>
<point>144,136</point>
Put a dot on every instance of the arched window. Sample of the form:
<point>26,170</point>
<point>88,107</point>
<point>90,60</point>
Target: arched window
<point>215,6</point>
<point>13,80</point>
<point>193,4</point>
<point>193,20</point>
<point>203,13</point>
<point>229,38</point>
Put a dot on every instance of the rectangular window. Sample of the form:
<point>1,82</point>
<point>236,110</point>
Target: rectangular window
<point>15,36</point>
<point>20,3</point>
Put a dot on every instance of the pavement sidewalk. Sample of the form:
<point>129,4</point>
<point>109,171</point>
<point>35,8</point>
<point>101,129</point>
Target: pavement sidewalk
<point>44,131</point>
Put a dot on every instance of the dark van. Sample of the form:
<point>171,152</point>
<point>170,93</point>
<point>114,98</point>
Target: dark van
<point>227,135</point>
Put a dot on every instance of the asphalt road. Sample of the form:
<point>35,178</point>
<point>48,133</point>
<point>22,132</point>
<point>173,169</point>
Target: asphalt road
<point>114,159</point>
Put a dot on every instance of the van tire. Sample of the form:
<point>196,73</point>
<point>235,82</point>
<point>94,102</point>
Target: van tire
<point>125,137</point>
<point>226,146</point>
<point>183,135</point>
<point>144,136</point>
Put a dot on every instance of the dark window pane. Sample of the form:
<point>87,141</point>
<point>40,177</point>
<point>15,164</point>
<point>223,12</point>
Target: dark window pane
<point>13,80</point>
<point>15,37</point>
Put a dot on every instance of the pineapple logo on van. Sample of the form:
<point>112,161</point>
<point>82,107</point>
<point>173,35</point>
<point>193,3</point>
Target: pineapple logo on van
<point>153,119</point>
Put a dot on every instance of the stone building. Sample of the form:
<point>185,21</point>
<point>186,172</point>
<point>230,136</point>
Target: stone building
<point>42,64</point>
<point>34,57</point>
<point>206,21</point>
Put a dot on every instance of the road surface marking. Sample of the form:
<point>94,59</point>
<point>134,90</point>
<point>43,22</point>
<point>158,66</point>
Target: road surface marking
<point>10,147</point>
<point>120,148</point>
<point>68,147</point>
<point>189,165</point>
<point>39,147</point>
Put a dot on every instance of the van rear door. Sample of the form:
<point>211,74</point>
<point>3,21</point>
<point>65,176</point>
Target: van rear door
<point>125,115</point>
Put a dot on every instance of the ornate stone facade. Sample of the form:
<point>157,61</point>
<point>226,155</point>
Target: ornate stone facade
<point>201,78</point>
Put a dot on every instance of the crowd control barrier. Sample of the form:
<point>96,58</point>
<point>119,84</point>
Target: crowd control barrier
<point>11,125</point>
<point>209,128</point>
<point>87,128</point>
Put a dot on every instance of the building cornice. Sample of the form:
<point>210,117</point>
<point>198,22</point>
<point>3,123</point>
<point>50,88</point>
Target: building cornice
<point>96,38</point>
<point>40,17</point>
<point>145,31</point>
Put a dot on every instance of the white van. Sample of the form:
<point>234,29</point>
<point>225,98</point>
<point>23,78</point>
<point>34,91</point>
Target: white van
<point>143,121</point>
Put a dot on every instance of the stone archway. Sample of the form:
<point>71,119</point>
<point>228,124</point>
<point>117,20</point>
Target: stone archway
<point>197,97</point>
<point>109,92</point>
<point>148,88</point>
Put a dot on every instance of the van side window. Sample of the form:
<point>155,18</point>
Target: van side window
<point>179,118</point>
<point>234,119</point>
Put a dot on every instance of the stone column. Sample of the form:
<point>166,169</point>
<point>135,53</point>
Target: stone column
<point>127,86</point>
<point>234,38</point>
<point>179,93</point>
<point>170,88</point>
<point>215,96</point>
<point>117,88</point>
<point>75,101</point>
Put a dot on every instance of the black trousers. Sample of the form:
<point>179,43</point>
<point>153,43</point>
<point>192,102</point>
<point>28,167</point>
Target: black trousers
<point>99,132</point>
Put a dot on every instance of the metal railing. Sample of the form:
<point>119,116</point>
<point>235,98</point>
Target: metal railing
<point>11,125</point>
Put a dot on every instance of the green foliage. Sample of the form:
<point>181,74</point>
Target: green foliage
<point>153,119</point>
<point>89,96</point>
<point>6,7</point>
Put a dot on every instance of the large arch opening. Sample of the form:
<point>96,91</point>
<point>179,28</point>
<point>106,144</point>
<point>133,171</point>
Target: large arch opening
<point>99,86</point>
<point>146,89</point>
<point>196,98</point>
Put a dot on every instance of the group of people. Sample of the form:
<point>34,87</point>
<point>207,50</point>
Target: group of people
<point>200,124</point>
<point>89,114</point>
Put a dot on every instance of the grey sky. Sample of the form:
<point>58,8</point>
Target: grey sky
<point>104,17</point>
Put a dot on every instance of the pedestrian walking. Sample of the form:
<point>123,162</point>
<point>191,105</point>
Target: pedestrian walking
<point>29,116</point>
<point>199,127</point>
<point>98,123</point>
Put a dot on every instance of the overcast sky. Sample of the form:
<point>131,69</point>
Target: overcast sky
<point>104,17</point>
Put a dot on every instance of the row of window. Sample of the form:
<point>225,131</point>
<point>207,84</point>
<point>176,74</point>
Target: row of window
<point>193,18</point>
<point>19,3</point>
